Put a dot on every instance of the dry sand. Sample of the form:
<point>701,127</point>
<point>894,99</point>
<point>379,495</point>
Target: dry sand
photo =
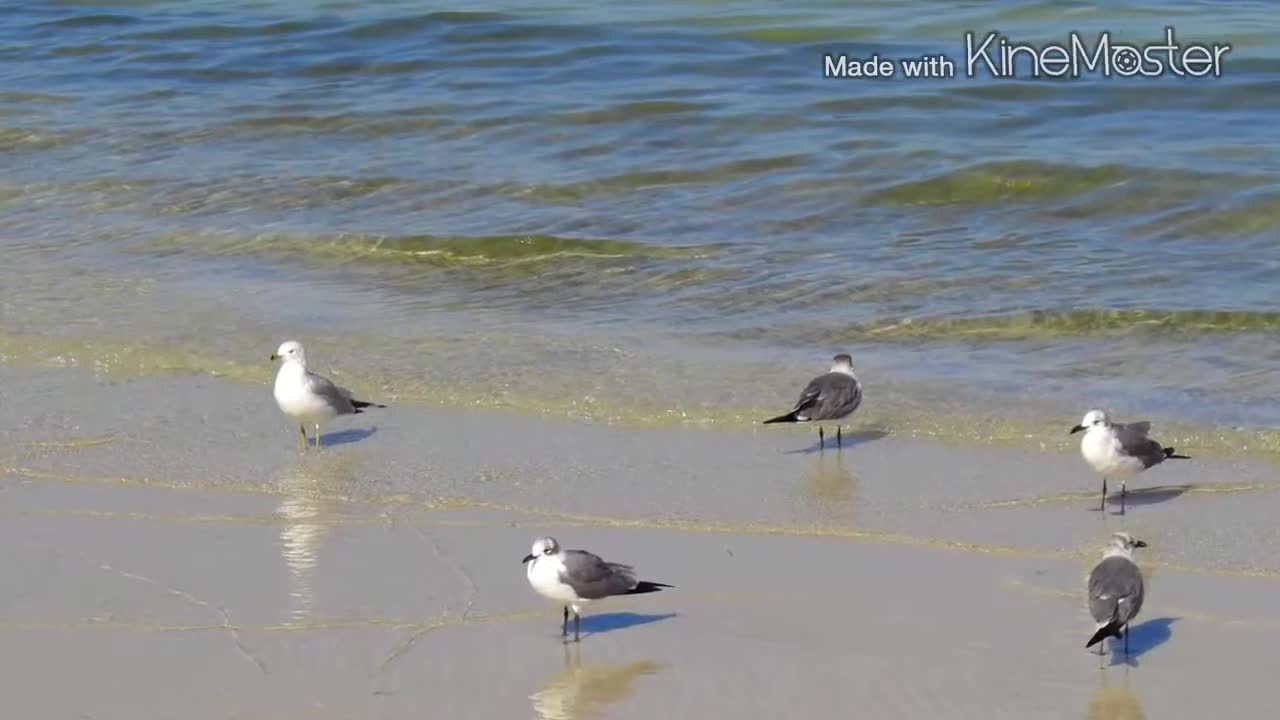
<point>169,553</point>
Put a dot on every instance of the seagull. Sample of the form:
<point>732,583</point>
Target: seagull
<point>307,397</point>
<point>1119,450</point>
<point>576,577</point>
<point>1115,591</point>
<point>833,396</point>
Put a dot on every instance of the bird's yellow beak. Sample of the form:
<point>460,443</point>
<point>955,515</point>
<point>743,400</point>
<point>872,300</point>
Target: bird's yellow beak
<point>274,357</point>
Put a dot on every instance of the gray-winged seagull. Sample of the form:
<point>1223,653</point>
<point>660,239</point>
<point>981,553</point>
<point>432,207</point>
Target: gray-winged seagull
<point>833,396</point>
<point>1119,450</point>
<point>576,577</point>
<point>1115,591</point>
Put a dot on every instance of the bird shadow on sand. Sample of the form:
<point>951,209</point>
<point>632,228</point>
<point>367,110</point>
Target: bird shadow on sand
<point>608,622</point>
<point>851,440</point>
<point>347,437</point>
<point>1143,638</point>
<point>1147,496</point>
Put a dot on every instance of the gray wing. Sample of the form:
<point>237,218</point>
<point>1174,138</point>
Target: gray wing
<point>592,578</point>
<point>1135,443</point>
<point>1142,428</point>
<point>338,398</point>
<point>1115,590</point>
<point>829,397</point>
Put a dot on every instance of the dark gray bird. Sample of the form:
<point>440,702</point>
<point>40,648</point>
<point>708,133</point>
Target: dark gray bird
<point>577,577</point>
<point>833,396</point>
<point>1115,591</point>
<point>1119,450</point>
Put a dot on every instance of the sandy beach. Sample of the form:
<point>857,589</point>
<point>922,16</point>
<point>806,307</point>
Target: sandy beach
<point>169,552</point>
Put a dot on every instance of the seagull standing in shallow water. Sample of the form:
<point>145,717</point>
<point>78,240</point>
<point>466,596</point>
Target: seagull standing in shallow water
<point>1115,591</point>
<point>1119,450</point>
<point>307,397</point>
<point>833,396</point>
<point>576,577</point>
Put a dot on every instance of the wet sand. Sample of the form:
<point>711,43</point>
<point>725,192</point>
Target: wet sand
<point>168,552</point>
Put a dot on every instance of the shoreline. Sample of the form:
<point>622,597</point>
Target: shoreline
<point>903,414</point>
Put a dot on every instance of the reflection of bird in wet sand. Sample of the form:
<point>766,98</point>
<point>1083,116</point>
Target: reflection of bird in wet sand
<point>1115,703</point>
<point>584,691</point>
<point>828,484</point>
<point>308,516</point>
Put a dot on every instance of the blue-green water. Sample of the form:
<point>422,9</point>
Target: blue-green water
<point>673,182</point>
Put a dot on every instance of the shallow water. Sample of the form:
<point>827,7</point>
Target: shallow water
<point>657,213</point>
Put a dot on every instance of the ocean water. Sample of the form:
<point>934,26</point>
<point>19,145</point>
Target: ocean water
<point>657,212</point>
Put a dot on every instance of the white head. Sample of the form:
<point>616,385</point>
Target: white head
<point>291,351</point>
<point>1123,543</point>
<point>842,363</point>
<point>1092,419</point>
<point>543,546</point>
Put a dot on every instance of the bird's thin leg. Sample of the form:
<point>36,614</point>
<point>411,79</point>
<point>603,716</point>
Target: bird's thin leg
<point>1126,636</point>
<point>564,627</point>
<point>317,436</point>
<point>577,626</point>
<point>839,439</point>
<point>1103,506</point>
<point>1123,492</point>
<point>303,428</point>
<point>822,441</point>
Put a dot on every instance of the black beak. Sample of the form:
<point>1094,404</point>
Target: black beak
<point>274,357</point>
<point>1076,429</point>
<point>527,558</point>
<point>1139,543</point>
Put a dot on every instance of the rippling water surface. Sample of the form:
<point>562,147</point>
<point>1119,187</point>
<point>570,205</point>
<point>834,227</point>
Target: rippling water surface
<point>662,209</point>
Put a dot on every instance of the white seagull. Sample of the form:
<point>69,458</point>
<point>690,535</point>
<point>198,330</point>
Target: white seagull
<point>576,577</point>
<point>1119,450</point>
<point>307,397</point>
<point>833,396</point>
<point>1115,591</point>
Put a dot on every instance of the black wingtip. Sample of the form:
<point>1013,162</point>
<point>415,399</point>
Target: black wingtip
<point>1111,629</point>
<point>788,418</point>
<point>358,404</point>
<point>1171,455</point>
<point>644,586</point>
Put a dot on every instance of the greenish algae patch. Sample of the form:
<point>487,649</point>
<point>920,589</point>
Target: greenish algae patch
<point>632,181</point>
<point>1022,181</point>
<point>1077,324</point>
<point>1254,216</point>
<point>1084,323</point>
<point>438,250</point>
<point>121,359</point>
